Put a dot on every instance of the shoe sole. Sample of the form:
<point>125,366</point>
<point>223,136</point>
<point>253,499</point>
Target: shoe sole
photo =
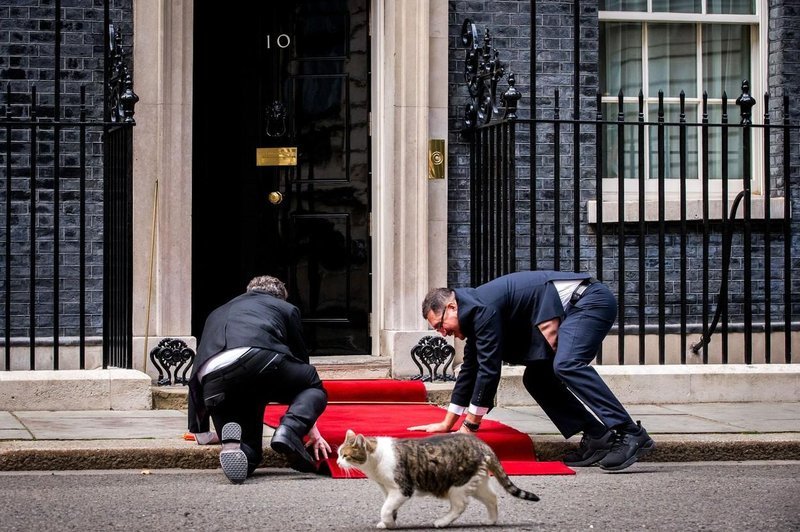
<point>641,451</point>
<point>234,465</point>
<point>232,458</point>
<point>596,457</point>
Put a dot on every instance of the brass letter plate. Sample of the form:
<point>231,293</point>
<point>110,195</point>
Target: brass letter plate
<point>276,156</point>
<point>436,159</point>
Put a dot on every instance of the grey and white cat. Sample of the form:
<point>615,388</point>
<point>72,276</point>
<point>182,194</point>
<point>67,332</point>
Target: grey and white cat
<point>448,466</point>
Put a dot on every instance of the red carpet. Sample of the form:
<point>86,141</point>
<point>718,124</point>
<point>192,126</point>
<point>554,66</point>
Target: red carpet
<point>385,407</point>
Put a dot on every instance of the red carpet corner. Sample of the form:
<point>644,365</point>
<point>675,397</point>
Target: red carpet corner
<point>387,407</point>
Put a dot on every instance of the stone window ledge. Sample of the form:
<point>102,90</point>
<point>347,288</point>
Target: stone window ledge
<point>672,210</point>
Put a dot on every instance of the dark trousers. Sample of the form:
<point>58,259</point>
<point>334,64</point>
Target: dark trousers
<point>555,383</point>
<point>240,392</point>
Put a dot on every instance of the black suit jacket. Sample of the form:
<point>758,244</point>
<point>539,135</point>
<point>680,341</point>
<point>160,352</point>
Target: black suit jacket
<point>253,319</point>
<point>499,320</point>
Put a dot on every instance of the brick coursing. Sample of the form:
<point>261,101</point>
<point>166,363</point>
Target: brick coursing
<point>27,64</point>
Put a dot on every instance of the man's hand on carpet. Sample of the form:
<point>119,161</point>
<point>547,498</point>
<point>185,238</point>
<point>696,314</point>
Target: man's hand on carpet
<point>320,447</point>
<point>432,427</point>
<point>206,438</point>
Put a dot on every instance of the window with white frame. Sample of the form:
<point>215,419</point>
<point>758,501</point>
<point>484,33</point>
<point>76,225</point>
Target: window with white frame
<point>694,46</point>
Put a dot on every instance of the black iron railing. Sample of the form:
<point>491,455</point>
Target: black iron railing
<point>670,272</point>
<point>118,209</point>
<point>548,192</point>
<point>67,232</point>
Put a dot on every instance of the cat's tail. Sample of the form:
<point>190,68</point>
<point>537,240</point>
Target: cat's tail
<point>493,464</point>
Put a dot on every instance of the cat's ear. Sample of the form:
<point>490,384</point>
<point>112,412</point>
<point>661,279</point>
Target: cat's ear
<point>349,435</point>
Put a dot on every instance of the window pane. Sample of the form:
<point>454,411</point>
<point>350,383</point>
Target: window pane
<point>623,5</point>
<point>672,145</point>
<point>676,6</point>
<point>621,57</point>
<point>630,141</point>
<point>734,136</point>
<point>673,59</point>
<point>731,7</point>
<point>726,58</point>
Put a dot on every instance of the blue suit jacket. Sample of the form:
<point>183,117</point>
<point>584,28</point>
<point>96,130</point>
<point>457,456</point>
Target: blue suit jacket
<point>499,320</point>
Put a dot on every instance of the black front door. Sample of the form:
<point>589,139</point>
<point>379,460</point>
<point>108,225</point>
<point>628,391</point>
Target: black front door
<point>281,166</point>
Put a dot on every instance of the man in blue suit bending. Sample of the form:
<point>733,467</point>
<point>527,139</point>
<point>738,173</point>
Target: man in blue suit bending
<point>553,323</point>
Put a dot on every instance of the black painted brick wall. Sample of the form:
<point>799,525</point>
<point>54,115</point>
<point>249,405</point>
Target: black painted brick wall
<point>27,62</point>
<point>784,81</point>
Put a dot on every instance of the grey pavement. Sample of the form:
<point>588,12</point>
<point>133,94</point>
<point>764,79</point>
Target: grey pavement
<point>154,439</point>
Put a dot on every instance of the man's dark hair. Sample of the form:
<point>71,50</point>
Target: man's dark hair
<point>436,300</point>
<point>270,285</point>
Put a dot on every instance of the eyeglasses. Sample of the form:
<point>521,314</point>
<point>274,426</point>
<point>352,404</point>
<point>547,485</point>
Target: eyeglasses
<point>440,323</point>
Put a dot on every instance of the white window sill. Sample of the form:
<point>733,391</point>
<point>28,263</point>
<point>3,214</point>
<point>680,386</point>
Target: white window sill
<point>672,210</point>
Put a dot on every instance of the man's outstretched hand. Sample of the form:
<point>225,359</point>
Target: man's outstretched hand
<point>432,427</point>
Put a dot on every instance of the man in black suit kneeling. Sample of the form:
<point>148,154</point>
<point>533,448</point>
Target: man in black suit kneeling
<point>252,353</point>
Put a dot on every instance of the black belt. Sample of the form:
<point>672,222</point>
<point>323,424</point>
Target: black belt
<point>581,288</point>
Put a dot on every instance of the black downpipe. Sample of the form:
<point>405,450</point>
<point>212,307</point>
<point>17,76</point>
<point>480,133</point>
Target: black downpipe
<point>726,265</point>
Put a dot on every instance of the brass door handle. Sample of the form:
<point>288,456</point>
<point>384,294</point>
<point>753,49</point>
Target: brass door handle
<point>275,197</point>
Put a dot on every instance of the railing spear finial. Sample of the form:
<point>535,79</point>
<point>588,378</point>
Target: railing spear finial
<point>746,102</point>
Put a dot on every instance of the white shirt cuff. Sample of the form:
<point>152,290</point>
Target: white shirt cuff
<point>456,409</point>
<point>206,438</point>
<point>478,410</point>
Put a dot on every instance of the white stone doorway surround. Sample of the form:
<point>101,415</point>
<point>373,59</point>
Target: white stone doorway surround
<point>409,216</point>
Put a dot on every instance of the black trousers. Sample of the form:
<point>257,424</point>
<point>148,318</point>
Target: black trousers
<point>240,391</point>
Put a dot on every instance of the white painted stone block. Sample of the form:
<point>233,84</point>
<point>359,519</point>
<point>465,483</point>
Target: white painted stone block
<point>678,384</point>
<point>98,389</point>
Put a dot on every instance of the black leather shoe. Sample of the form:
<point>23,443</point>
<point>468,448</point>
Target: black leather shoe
<point>590,450</point>
<point>289,444</point>
<point>628,447</point>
